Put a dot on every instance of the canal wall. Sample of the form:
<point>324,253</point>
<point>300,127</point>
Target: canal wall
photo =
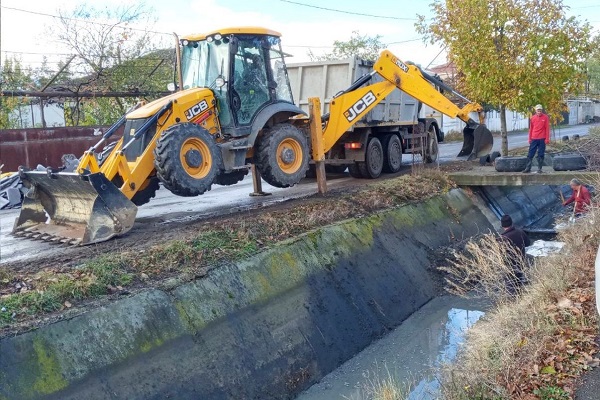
<point>265,328</point>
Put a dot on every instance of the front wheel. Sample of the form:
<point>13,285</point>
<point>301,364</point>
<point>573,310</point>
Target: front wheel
<point>187,159</point>
<point>282,155</point>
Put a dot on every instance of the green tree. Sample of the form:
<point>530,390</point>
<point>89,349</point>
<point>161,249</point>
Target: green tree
<point>115,52</point>
<point>363,46</point>
<point>512,53</point>
<point>593,69</point>
<point>13,76</point>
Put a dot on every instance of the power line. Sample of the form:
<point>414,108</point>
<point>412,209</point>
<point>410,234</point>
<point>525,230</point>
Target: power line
<point>87,21</point>
<point>347,12</point>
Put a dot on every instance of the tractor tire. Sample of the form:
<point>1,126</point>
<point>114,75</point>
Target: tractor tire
<point>147,192</point>
<point>354,171</point>
<point>510,164</point>
<point>392,153</point>
<point>282,155</point>
<point>231,178</point>
<point>430,155</point>
<point>372,167</point>
<point>569,162</point>
<point>187,159</point>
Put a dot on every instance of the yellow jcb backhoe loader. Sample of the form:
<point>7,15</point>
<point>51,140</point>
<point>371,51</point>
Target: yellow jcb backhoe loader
<point>234,108</point>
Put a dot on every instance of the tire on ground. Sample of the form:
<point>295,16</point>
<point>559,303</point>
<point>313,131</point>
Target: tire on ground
<point>187,159</point>
<point>372,167</point>
<point>392,153</point>
<point>568,162</point>
<point>282,155</point>
<point>231,178</point>
<point>510,164</point>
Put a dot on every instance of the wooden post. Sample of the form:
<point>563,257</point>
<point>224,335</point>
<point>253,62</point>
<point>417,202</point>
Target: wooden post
<point>316,137</point>
<point>257,183</point>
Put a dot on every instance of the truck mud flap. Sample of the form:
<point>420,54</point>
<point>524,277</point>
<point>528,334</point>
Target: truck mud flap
<point>72,209</point>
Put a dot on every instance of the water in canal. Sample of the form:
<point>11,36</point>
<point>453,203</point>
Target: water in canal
<point>409,355</point>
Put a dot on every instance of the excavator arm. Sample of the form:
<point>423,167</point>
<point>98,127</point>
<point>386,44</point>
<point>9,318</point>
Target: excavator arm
<point>351,105</point>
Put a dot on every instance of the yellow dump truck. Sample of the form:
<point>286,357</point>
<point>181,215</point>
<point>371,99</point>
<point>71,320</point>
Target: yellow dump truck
<point>233,108</point>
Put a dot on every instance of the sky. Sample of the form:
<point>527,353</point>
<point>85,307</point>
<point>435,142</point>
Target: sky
<point>304,24</point>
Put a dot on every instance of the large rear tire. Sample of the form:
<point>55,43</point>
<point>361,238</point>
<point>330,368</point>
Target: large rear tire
<point>282,155</point>
<point>187,159</point>
<point>373,165</point>
<point>392,153</point>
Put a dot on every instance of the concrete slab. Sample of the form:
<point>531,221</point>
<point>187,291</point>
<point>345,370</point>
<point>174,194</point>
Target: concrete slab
<point>488,176</point>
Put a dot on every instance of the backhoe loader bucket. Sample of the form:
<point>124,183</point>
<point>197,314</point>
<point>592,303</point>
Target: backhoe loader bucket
<point>72,209</point>
<point>477,141</point>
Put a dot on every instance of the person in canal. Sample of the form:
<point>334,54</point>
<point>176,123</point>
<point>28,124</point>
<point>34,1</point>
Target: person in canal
<point>539,137</point>
<point>517,240</point>
<point>581,197</point>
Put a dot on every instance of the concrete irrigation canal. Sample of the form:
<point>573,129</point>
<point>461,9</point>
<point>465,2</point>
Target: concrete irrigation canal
<point>272,325</point>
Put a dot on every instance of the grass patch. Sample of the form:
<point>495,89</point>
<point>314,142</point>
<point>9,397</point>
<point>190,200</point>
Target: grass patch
<point>229,239</point>
<point>453,136</point>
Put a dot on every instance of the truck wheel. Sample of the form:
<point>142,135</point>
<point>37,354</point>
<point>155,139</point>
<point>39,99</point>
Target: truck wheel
<point>373,164</point>
<point>231,178</point>
<point>187,159</point>
<point>282,155</point>
<point>430,154</point>
<point>392,153</point>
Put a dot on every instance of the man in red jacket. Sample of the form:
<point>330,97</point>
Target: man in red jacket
<point>539,137</point>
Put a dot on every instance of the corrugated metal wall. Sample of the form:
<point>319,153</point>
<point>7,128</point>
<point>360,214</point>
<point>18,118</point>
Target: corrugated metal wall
<point>45,146</point>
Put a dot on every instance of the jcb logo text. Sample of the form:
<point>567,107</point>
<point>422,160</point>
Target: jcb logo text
<point>195,110</point>
<point>358,107</point>
<point>400,64</point>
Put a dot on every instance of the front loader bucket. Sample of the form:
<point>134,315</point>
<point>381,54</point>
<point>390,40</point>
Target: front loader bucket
<point>477,141</point>
<point>73,209</point>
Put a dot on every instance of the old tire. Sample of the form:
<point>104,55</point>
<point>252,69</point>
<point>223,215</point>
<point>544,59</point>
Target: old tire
<point>568,162</point>
<point>372,167</point>
<point>430,155</point>
<point>510,164</point>
<point>187,159</point>
<point>392,153</point>
<point>231,178</point>
<point>282,155</point>
<point>147,192</point>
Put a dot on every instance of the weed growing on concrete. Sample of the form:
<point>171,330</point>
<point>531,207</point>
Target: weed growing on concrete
<point>534,344</point>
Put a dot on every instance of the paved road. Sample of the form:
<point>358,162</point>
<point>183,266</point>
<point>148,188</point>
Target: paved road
<point>167,207</point>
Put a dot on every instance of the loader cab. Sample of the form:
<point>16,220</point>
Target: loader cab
<point>245,69</point>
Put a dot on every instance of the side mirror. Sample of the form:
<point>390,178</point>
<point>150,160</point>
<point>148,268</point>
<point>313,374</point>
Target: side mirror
<point>171,87</point>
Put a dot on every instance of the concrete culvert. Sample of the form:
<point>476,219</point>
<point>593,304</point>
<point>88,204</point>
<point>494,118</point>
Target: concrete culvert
<point>510,164</point>
<point>569,162</point>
